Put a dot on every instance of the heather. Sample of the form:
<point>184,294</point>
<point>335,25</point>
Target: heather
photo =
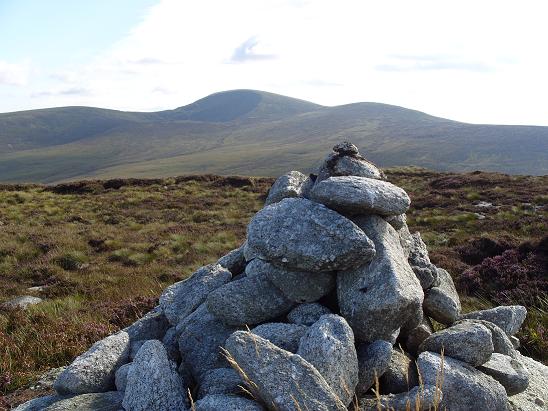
<point>105,249</point>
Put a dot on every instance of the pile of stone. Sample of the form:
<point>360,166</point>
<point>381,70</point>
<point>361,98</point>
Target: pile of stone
<point>328,305</point>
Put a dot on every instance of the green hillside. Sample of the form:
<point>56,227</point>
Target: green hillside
<point>252,133</point>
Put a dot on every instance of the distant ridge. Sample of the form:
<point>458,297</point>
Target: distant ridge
<point>251,132</point>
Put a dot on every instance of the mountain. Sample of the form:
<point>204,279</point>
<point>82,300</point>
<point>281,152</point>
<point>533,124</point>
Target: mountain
<point>253,133</point>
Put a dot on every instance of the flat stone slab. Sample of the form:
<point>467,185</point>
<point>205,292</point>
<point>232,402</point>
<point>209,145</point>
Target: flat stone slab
<point>93,371</point>
<point>379,298</point>
<point>179,300</point>
<point>250,300</point>
<point>281,380</point>
<point>464,387</point>
<point>303,235</point>
<point>361,195</point>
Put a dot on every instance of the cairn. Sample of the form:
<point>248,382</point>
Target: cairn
<point>328,305</point>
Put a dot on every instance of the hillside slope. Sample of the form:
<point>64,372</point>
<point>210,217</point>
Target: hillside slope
<point>252,133</point>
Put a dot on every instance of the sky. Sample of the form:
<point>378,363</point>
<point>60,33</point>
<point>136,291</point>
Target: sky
<point>480,61</point>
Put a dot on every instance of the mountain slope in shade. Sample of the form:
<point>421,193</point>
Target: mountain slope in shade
<point>253,133</point>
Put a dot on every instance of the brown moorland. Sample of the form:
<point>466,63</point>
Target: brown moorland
<point>104,250</point>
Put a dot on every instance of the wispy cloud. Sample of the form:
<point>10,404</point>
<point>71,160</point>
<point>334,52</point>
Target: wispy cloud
<point>14,74</point>
<point>321,83</point>
<point>72,91</point>
<point>247,51</point>
<point>402,62</point>
<point>147,61</point>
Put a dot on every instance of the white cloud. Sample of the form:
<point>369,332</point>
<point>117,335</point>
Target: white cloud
<point>14,74</point>
<point>466,60</point>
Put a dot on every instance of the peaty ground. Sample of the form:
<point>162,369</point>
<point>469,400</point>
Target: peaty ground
<point>104,250</point>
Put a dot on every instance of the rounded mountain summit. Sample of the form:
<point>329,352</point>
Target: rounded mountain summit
<point>249,132</point>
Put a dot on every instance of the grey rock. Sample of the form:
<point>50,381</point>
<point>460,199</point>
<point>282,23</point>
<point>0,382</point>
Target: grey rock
<point>329,346</point>
<point>152,326</point>
<point>120,377</point>
<point>297,286</point>
<point>223,402</point>
<point>182,298</point>
<point>234,261</point>
<point>414,337</point>
<point>283,381</point>
<point>501,342</point>
<point>401,374</point>
<point>134,348</point>
<point>419,260</point>
<point>535,397</point>
<point>397,221</point>
<point>417,399</point>
<point>343,162</point>
<point>153,383</point>
<point>379,298</point>
<point>93,371</point>
<point>221,381</point>
<point>361,195</point>
<point>406,240</point>
<point>509,317</point>
<point>38,288</point>
<point>105,401</point>
<point>464,388</point>
<point>307,314</point>
<point>251,300</point>
<point>466,341</point>
<point>201,335</point>
<point>285,336</point>
<point>171,344</point>
<point>511,373</point>
<point>22,302</point>
<point>373,361</point>
<point>39,404</point>
<point>442,303</point>
<point>346,148</point>
<point>286,186</point>
<point>302,235</point>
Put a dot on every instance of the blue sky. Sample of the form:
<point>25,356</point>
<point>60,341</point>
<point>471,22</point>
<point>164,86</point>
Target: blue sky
<point>482,62</point>
<point>54,33</point>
